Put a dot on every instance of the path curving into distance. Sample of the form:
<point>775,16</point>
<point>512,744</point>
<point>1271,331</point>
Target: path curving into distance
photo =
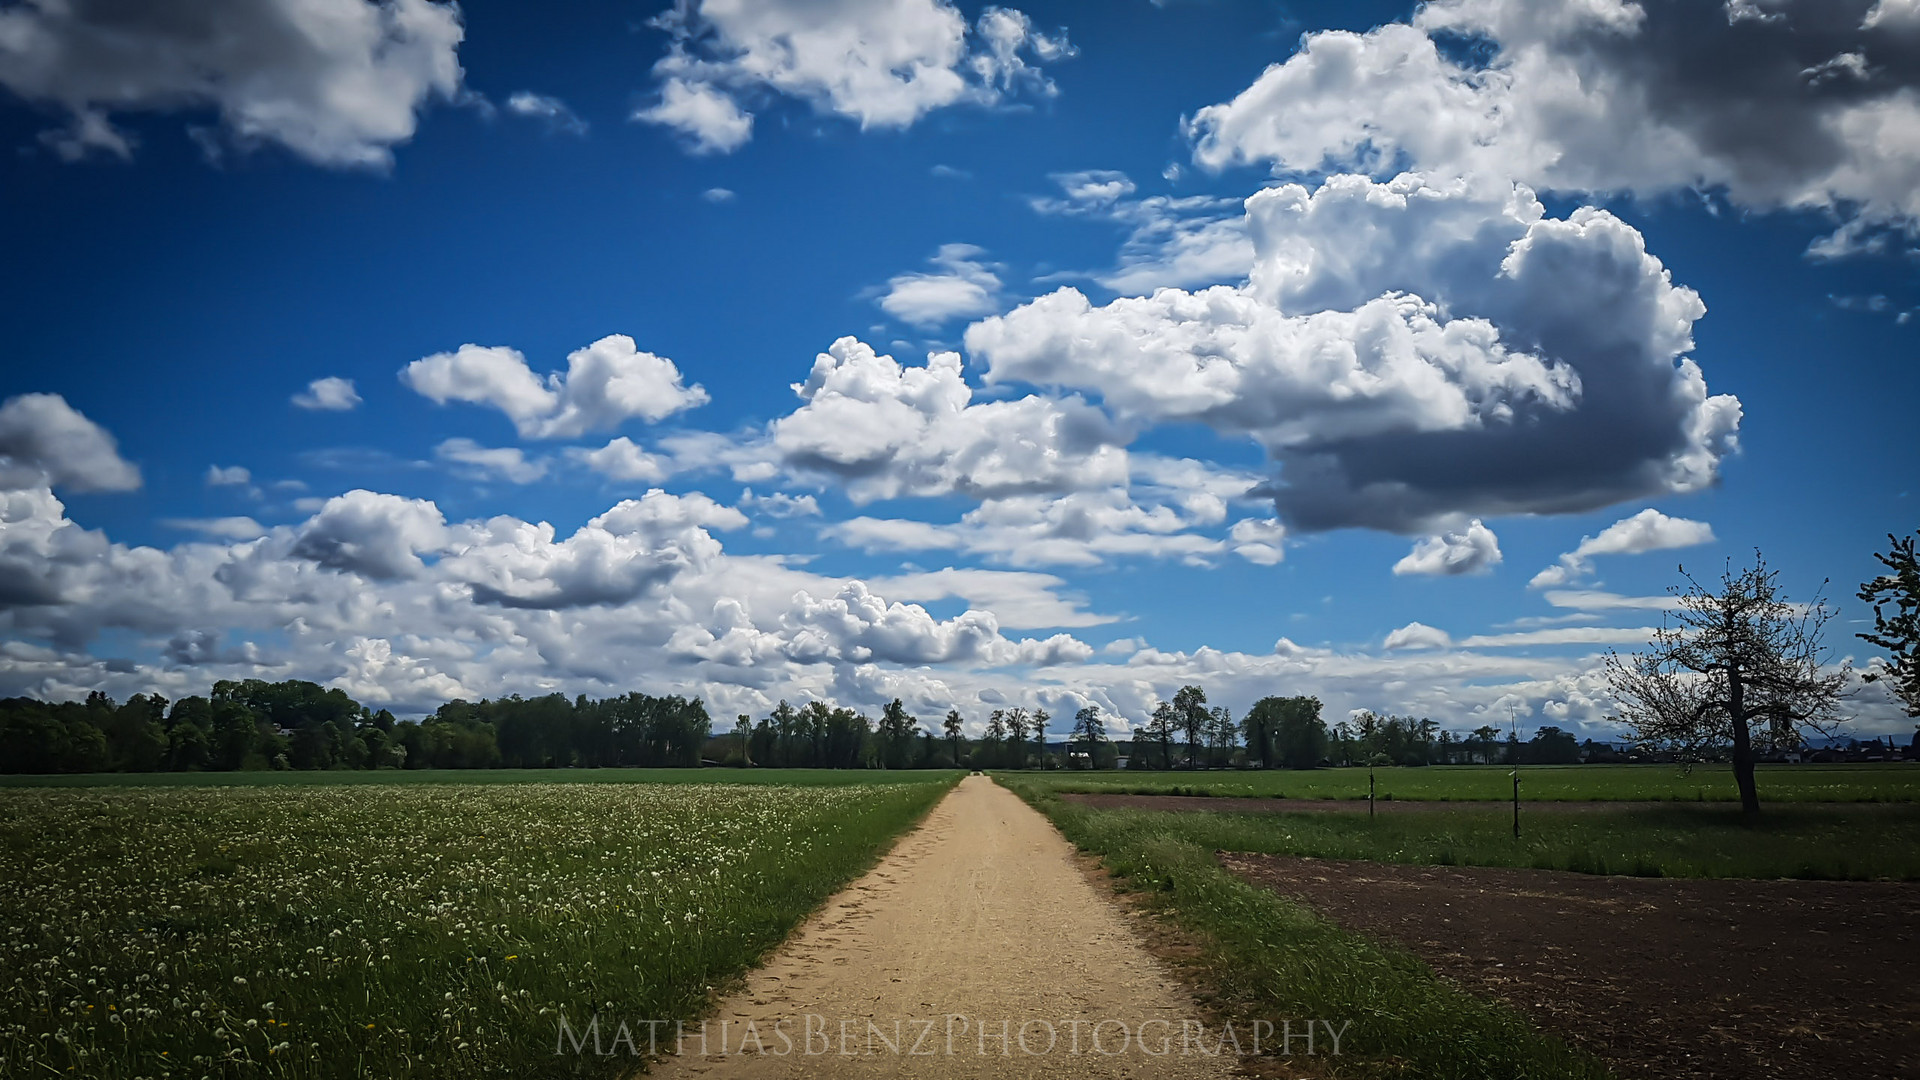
<point>978,917</point>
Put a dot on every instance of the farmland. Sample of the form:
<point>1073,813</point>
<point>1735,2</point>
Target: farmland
<point>1271,921</point>
<point>1889,782</point>
<point>1262,953</point>
<point>421,929</point>
<point>1844,822</point>
<point>389,777</point>
<point>1864,842</point>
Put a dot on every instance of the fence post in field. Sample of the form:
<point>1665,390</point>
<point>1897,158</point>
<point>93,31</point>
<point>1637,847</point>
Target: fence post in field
<point>1513,718</point>
<point>1516,800</point>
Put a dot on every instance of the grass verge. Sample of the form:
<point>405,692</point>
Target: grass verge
<point>1264,954</point>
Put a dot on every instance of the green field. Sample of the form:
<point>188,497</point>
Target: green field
<point>1261,952</point>
<point>311,929</point>
<point>805,777</point>
<point>1827,843</point>
<point>1693,830</point>
<point>1872,782</point>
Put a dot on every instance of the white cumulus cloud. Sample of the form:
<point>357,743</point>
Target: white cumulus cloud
<point>1648,530</point>
<point>1474,550</point>
<point>1174,242</point>
<point>961,287</point>
<point>623,459</point>
<point>547,109</point>
<point>605,384</point>
<point>45,440</point>
<point>330,394</point>
<point>779,504</point>
<point>711,121</point>
<point>885,430</point>
<point>633,548</point>
<point>337,82</point>
<point>1085,528</point>
<point>1408,353</point>
<point>880,63</point>
<point>1607,96</point>
<point>374,535</point>
<point>1418,635</point>
<point>1259,540</point>
<point>509,463</point>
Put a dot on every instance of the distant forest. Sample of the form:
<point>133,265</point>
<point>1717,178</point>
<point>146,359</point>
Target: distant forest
<point>260,725</point>
<point>300,725</point>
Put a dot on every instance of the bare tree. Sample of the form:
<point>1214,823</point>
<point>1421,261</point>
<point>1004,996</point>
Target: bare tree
<point>1739,668</point>
<point>1898,632</point>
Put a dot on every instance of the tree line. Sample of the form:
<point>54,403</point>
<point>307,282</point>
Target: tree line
<point>1289,732</point>
<point>1737,671</point>
<point>253,724</point>
<point>259,725</point>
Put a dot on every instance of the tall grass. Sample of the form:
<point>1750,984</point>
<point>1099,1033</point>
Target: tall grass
<point>1263,952</point>
<point>424,930</point>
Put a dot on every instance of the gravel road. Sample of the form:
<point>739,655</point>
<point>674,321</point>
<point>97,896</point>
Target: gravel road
<point>977,919</point>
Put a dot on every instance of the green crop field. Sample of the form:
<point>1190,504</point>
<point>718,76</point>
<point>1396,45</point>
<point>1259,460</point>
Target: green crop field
<point>1829,843</point>
<point>1696,831</point>
<point>311,929</point>
<point>1869,782</point>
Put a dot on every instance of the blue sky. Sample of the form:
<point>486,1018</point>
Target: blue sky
<point>1413,353</point>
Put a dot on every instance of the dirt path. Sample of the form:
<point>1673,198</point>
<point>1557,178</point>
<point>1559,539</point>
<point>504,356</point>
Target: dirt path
<point>978,917</point>
<point>1730,980</point>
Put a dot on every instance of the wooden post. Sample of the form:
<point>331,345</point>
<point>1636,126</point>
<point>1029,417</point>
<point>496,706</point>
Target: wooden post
<point>1512,717</point>
<point>1516,799</point>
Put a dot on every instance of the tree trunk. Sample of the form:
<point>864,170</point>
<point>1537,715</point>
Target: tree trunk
<point>1742,746</point>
